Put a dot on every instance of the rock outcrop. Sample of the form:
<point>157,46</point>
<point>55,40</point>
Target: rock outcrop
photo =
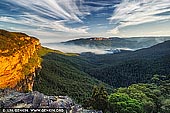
<point>19,64</point>
<point>19,61</point>
<point>13,99</point>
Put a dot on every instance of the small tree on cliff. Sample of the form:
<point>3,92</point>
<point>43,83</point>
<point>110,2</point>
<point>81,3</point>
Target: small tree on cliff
<point>98,100</point>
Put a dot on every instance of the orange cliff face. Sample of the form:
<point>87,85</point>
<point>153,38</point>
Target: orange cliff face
<point>18,61</point>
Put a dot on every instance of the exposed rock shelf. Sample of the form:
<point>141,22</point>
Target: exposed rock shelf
<point>35,99</point>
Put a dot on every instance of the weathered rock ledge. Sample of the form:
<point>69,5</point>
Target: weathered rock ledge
<point>35,99</point>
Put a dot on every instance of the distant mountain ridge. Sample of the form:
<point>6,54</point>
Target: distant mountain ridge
<point>116,42</point>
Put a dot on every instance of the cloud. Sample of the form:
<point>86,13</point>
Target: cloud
<point>114,31</point>
<point>44,24</point>
<point>74,48</point>
<point>136,12</point>
<point>46,15</point>
<point>56,9</point>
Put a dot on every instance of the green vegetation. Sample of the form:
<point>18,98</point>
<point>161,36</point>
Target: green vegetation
<point>74,75</point>
<point>44,51</point>
<point>124,69</point>
<point>122,103</point>
<point>59,76</point>
<point>98,100</point>
<point>33,62</point>
<point>136,98</point>
<point>10,42</point>
<point>140,79</point>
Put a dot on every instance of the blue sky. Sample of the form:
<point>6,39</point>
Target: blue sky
<point>60,20</point>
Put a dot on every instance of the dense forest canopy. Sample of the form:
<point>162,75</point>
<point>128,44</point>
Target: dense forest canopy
<point>143,76</point>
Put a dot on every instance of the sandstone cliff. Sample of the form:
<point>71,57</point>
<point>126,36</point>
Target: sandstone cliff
<point>19,61</point>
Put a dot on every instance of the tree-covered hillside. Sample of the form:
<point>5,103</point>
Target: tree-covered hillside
<point>60,76</point>
<point>136,98</point>
<point>10,42</point>
<point>75,75</point>
<point>129,82</point>
<point>124,69</point>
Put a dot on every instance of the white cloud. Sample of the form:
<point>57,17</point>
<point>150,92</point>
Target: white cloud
<point>48,14</point>
<point>113,31</point>
<point>43,24</point>
<point>64,9</point>
<point>135,12</point>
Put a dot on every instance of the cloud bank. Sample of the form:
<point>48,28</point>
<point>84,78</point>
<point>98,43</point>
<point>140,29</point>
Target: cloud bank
<point>74,48</point>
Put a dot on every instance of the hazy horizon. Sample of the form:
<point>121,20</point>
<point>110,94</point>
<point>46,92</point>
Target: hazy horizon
<point>86,46</point>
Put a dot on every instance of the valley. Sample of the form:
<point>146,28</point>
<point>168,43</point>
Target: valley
<point>128,74</point>
<point>139,78</point>
<point>85,56</point>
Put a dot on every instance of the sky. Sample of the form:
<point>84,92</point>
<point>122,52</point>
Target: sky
<point>61,20</point>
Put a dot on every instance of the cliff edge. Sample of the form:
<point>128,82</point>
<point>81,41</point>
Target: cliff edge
<point>19,61</point>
